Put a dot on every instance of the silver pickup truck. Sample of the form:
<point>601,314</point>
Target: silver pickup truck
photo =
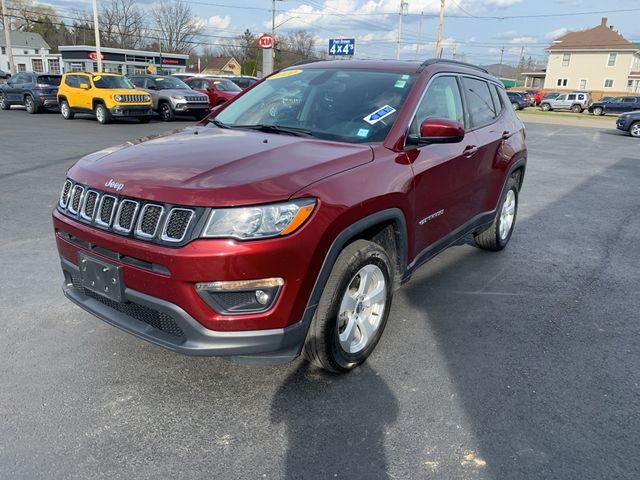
<point>171,96</point>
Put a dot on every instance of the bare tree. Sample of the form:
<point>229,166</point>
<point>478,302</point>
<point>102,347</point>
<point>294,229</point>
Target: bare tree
<point>25,14</point>
<point>176,26</point>
<point>122,24</point>
<point>245,50</point>
<point>296,46</point>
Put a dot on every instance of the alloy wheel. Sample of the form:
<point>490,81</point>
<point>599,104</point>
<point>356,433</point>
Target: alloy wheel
<point>507,214</point>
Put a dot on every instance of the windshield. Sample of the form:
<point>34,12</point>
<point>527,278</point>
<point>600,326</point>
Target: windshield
<point>355,106</point>
<point>112,81</point>
<point>165,83</point>
<point>225,85</point>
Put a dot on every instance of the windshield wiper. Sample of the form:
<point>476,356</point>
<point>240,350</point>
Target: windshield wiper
<point>218,123</point>
<point>299,132</point>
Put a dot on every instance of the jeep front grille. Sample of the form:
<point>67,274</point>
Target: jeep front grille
<point>196,99</point>
<point>134,99</point>
<point>159,223</point>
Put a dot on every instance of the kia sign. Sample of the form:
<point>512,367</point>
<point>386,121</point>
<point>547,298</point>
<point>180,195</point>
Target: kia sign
<point>265,41</point>
<point>94,56</point>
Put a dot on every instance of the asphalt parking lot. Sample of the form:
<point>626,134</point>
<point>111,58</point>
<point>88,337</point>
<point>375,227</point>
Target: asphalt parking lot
<point>523,364</point>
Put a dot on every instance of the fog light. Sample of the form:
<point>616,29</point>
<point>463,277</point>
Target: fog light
<point>240,296</point>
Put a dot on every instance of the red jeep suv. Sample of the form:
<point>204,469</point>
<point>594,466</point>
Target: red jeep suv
<point>283,223</point>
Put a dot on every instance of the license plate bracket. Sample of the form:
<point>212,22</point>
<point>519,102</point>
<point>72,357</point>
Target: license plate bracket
<point>101,277</point>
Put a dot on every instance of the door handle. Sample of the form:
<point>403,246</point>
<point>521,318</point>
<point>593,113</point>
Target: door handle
<point>470,151</point>
<point>506,135</point>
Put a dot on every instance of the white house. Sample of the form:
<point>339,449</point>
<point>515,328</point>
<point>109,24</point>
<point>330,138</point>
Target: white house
<point>30,53</point>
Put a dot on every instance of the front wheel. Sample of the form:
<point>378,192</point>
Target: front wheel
<point>545,107</point>
<point>634,130</point>
<point>515,106</point>
<point>166,112</point>
<point>102,114</point>
<point>353,309</point>
<point>498,234</point>
<point>4,105</point>
<point>598,111</point>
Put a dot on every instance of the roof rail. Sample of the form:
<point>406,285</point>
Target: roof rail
<point>434,61</point>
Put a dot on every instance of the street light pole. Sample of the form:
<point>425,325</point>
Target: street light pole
<point>7,36</point>
<point>439,33</point>
<point>96,27</point>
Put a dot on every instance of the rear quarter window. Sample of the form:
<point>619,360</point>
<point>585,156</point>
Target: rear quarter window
<point>72,81</point>
<point>482,111</point>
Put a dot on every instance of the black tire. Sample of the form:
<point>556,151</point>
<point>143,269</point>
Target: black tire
<point>634,130</point>
<point>4,105</point>
<point>322,346</point>
<point>30,104</point>
<point>598,111</point>
<point>490,239</point>
<point>545,107</point>
<point>145,119</point>
<point>515,106</point>
<point>65,110</point>
<point>166,112</point>
<point>102,113</point>
<point>576,109</point>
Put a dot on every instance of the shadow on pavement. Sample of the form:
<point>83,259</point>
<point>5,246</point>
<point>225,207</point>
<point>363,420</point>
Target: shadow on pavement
<point>541,340</point>
<point>336,424</point>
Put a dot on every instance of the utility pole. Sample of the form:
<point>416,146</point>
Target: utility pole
<point>439,33</point>
<point>500,64</point>
<point>96,27</point>
<point>454,51</point>
<point>273,32</point>
<point>419,35</point>
<point>7,36</point>
<point>403,6</point>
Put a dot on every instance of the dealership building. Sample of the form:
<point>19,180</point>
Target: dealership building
<point>83,58</point>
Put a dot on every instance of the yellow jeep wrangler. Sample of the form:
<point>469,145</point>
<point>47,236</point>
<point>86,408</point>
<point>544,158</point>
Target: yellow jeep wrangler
<point>105,95</point>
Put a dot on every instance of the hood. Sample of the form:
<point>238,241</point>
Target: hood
<point>183,92</point>
<point>209,166</point>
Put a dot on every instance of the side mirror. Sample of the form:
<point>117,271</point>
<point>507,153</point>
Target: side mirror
<point>438,130</point>
<point>84,86</point>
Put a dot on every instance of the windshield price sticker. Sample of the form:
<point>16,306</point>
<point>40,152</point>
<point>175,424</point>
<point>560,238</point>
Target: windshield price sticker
<point>284,74</point>
<point>378,115</point>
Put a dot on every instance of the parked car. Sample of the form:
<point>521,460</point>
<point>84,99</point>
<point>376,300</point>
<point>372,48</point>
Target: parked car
<point>184,75</point>
<point>218,90</point>
<point>34,91</point>
<point>518,100</point>
<point>4,75</point>
<point>244,81</point>
<point>576,102</point>
<point>105,95</point>
<point>283,227</point>
<point>537,95</point>
<point>171,97</point>
<point>629,122</point>
<point>550,96</point>
<point>615,105</point>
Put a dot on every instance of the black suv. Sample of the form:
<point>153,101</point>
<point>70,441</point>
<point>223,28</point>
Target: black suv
<point>615,105</point>
<point>34,91</point>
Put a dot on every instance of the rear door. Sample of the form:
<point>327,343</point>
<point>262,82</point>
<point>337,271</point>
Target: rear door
<point>629,104</point>
<point>14,85</point>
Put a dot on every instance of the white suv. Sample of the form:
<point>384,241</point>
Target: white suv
<point>575,101</point>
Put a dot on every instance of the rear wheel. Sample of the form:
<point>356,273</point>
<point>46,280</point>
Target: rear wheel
<point>598,111</point>
<point>498,234</point>
<point>515,106</point>
<point>634,130</point>
<point>353,309</point>
<point>166,112</point>
<point>576,109</point>
<point>65,110</point>
<point>545,107</point>
<point>102,114</point>
<point>4,105</point>
<point>30,104</point>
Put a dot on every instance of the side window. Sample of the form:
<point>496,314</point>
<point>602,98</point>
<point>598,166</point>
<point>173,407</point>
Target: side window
<point>629,100</point>
<point>137,81</point>
<point>442,100</point>
<point>497,102</point>
<point>571,97</point>
<point>72,81</point>
<point>479,102</point>
<point>580,96</point>
<point>561,98</point>
<point>83,79</point>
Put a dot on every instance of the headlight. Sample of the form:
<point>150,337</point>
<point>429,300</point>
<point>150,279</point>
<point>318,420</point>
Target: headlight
<point>177,97</point>
<point>117,98</point>
<point>261,221</point>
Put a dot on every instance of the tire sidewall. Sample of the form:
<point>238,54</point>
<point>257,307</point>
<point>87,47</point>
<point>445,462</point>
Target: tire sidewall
<point>29,104</point>
<point>631,129</point>
<point>345,360</point>
<point>102,120</point>
<point>64,107</point>
<point>511,186</point>
<point>4,105</point>
<point>165,112</point>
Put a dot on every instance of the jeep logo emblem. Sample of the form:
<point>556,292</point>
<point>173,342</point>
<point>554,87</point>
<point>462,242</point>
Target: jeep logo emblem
<point>115,185</point>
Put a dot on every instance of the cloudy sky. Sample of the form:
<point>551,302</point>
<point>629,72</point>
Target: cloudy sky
<point>476,29</point>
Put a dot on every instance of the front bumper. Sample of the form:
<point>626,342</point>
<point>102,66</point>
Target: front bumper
<point>166,324</point>
<point>131,111</point>
<point>192,108</point>
<point>623,123</point>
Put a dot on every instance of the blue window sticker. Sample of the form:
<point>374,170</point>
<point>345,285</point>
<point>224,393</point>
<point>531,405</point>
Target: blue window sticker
<point>362,133</point>
<point>379,114</point>
<point>400,83</point>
